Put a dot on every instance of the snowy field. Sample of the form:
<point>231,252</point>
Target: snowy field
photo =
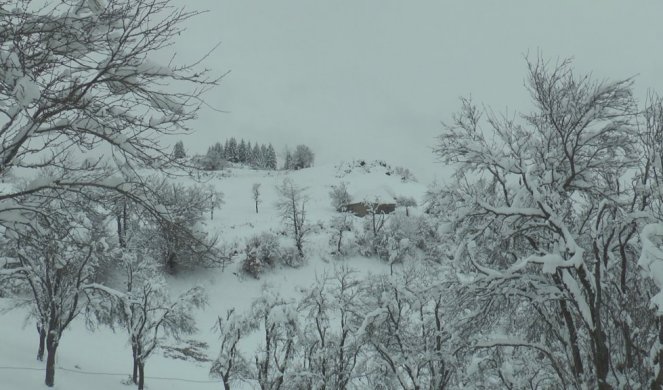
<point>101,359</point>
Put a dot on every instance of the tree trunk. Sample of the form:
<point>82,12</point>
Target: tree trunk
<point>51,348</point>
<point>120,234</point>
<point>578,369</point>
<point>42,343</point>
<point>141,375</point>
<point>657,383</point>
<point>134,374</point>
<point>602,360</point>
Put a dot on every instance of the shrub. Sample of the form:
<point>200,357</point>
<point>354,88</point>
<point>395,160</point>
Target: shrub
<point>395,242</point>
<point>261,251</point>
<point>405,174</point>
<point>264,251</point>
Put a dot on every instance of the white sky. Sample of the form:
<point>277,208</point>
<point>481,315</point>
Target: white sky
<point>374,78</point>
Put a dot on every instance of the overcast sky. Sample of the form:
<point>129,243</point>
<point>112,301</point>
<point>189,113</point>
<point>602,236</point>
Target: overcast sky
<point>374,78</point>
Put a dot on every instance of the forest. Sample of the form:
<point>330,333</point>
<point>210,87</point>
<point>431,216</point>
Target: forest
<point>538,265</point>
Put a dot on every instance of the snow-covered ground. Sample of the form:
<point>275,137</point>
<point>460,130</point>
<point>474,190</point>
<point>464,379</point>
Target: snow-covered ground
<point>101,359</point>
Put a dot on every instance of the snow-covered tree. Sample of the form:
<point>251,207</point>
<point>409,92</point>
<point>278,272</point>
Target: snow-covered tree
<point>231,151</point>
<point>181,241</point>
<point>650,234</point>
<point>302,157</point>
<point>407,202</point>
<point>405,325</point>
<point>340,225</point>
<point>545,213</point>
<point>270,158</point>
<point>147,312</point>
<point>242,152</point>
<point>292,208</point>
<point>214,158</point>
<point>330,350</point>
<point>257,159</point>
<point>279,324</point>
<point>340,196</point>
<point>77,75</point>
<point>57,258</point>
<point>231,365</point>
<point>288,162</point>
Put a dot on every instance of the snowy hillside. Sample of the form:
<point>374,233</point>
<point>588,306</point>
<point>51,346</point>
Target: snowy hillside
<point>101,359</point>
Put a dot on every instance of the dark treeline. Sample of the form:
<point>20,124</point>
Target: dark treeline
<point>242,152</point>
<point>256,155</point>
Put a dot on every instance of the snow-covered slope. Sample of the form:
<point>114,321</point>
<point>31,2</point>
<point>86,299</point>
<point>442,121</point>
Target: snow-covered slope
<point>101,359</point>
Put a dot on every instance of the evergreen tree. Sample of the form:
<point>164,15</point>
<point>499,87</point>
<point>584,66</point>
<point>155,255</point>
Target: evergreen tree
<point>264,163</point>
<point>241,152</point>
<point>178,150</point>
<point>288,160</point>
<point>231,150</point>
<point>219,150</point>
<point>256,156</point>
<point>270,159</point>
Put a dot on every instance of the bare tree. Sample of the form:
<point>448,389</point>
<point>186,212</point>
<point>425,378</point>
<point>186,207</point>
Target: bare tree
<point>292,207</point>
<point>255,190</point>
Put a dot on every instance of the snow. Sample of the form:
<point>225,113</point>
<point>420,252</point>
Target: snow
<point>103,357</point>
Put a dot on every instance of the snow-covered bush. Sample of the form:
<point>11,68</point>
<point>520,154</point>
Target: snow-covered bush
<point>264,251</point>
<point>394,242</point>
<point>261,251</point>
<point>405,174</point>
